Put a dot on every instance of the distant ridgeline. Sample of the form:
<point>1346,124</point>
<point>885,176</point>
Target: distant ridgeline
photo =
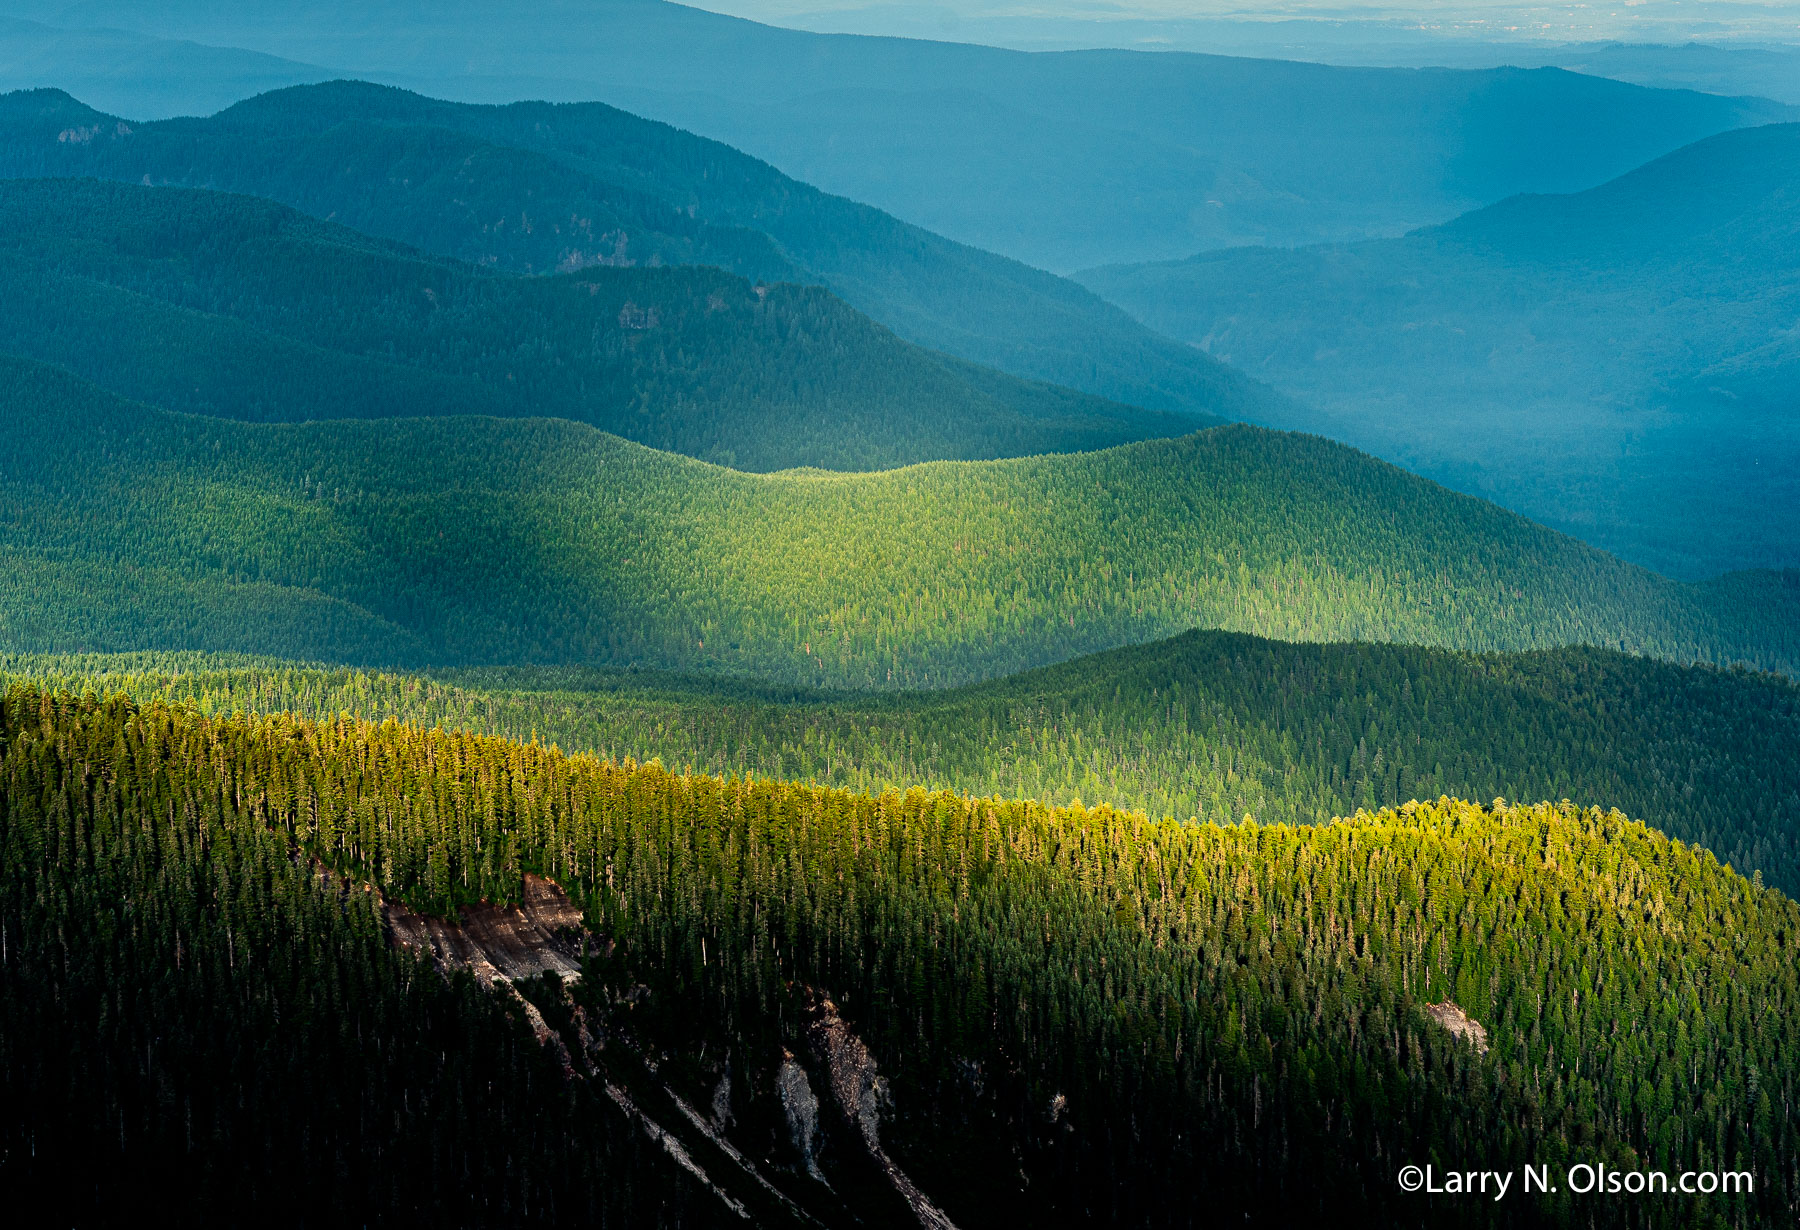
<point>1210,725</point>
<point>227,305</point>
<point>1065,159</point>
<point>1620,362</point>
<point>490,541</point>
<point>1069,1015</point>
<point>535,188</point>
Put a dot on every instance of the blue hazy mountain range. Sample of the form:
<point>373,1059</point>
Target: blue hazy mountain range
<point>1620,363</point>
<point>1063,160</point>
<point>1734,58</point>
<point>127,72</point>
<point>533,188</point>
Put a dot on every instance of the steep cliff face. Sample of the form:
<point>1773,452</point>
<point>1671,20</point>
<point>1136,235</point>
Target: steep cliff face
<point>801,1106</point>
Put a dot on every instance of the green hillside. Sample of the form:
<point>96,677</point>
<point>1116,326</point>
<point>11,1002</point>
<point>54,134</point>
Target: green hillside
<point>537,188</point>
<point>1209,725</point>
<point>1253,1000</point>
<point>483,540</point>
<point>229,305</point>
<point>1618,363</point>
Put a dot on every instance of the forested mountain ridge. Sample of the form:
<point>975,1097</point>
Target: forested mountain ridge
<point>1255,999</point>
<point>482,540</point>
<point>532,187</point>
<point>1212,726</point>
<point>1618,363</point>
<point>230,305</point>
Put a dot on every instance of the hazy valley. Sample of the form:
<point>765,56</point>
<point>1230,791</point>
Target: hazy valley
<point>1637,335</point>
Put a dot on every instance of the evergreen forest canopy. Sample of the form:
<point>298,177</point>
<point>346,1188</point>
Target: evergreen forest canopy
<point>1252,998</point>
<point>484,540</point>
<point>1618,363</point>
<point>535,188</point>
<point>1212,726</point>
<point>227,305</point>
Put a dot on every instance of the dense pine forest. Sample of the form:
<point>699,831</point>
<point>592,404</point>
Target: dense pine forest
<point>226,305</point>
<point>1209,726</point>
<point>192,1016</point>
<point>480,540</point>
<point>1249,999</point>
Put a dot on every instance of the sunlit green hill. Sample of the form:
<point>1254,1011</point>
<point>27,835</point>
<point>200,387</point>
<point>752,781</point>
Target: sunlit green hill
<point>1030,1012</point>
<point>233,306</point>
<point>1208,725</point>
<point>491,540</point>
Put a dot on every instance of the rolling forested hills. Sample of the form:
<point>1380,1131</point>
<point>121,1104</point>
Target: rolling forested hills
<point>1618,363</point>
<point>554,675</point>
<point>1209,725</point>
<point>1065,160</point>
<point>229,305</point>
<point>505,541</point>
<point>533,188</point>
<point>991,986</point>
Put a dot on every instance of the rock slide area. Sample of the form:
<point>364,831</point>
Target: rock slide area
<point>505,945</point>
<point>542,933</point>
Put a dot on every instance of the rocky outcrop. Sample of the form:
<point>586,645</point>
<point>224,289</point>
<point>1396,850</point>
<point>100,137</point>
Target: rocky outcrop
<point>674,1148</point>
<point>861,1094</point>
<point>801,1107</point>
<point>504,945</point>
<point>499,943</point>
<point>1459,1023</point>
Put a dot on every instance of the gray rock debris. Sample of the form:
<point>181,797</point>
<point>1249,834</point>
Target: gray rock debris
<point>801,1106</point>
<point>498,943</point>
<point>674,1148</point>
<point>1460,1024</point>
<point>861,1093</point>
<point>721,1100</point>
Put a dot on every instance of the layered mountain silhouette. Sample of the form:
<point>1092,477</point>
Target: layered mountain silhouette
<point>229,305</point>
<point>1617,362</point>
<point>1064,160</point>
<point>535,188</point>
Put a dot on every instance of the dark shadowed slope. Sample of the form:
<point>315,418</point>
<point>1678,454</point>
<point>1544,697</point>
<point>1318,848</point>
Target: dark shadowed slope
<point>1618,363</point>
<point>1028,1011</point>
